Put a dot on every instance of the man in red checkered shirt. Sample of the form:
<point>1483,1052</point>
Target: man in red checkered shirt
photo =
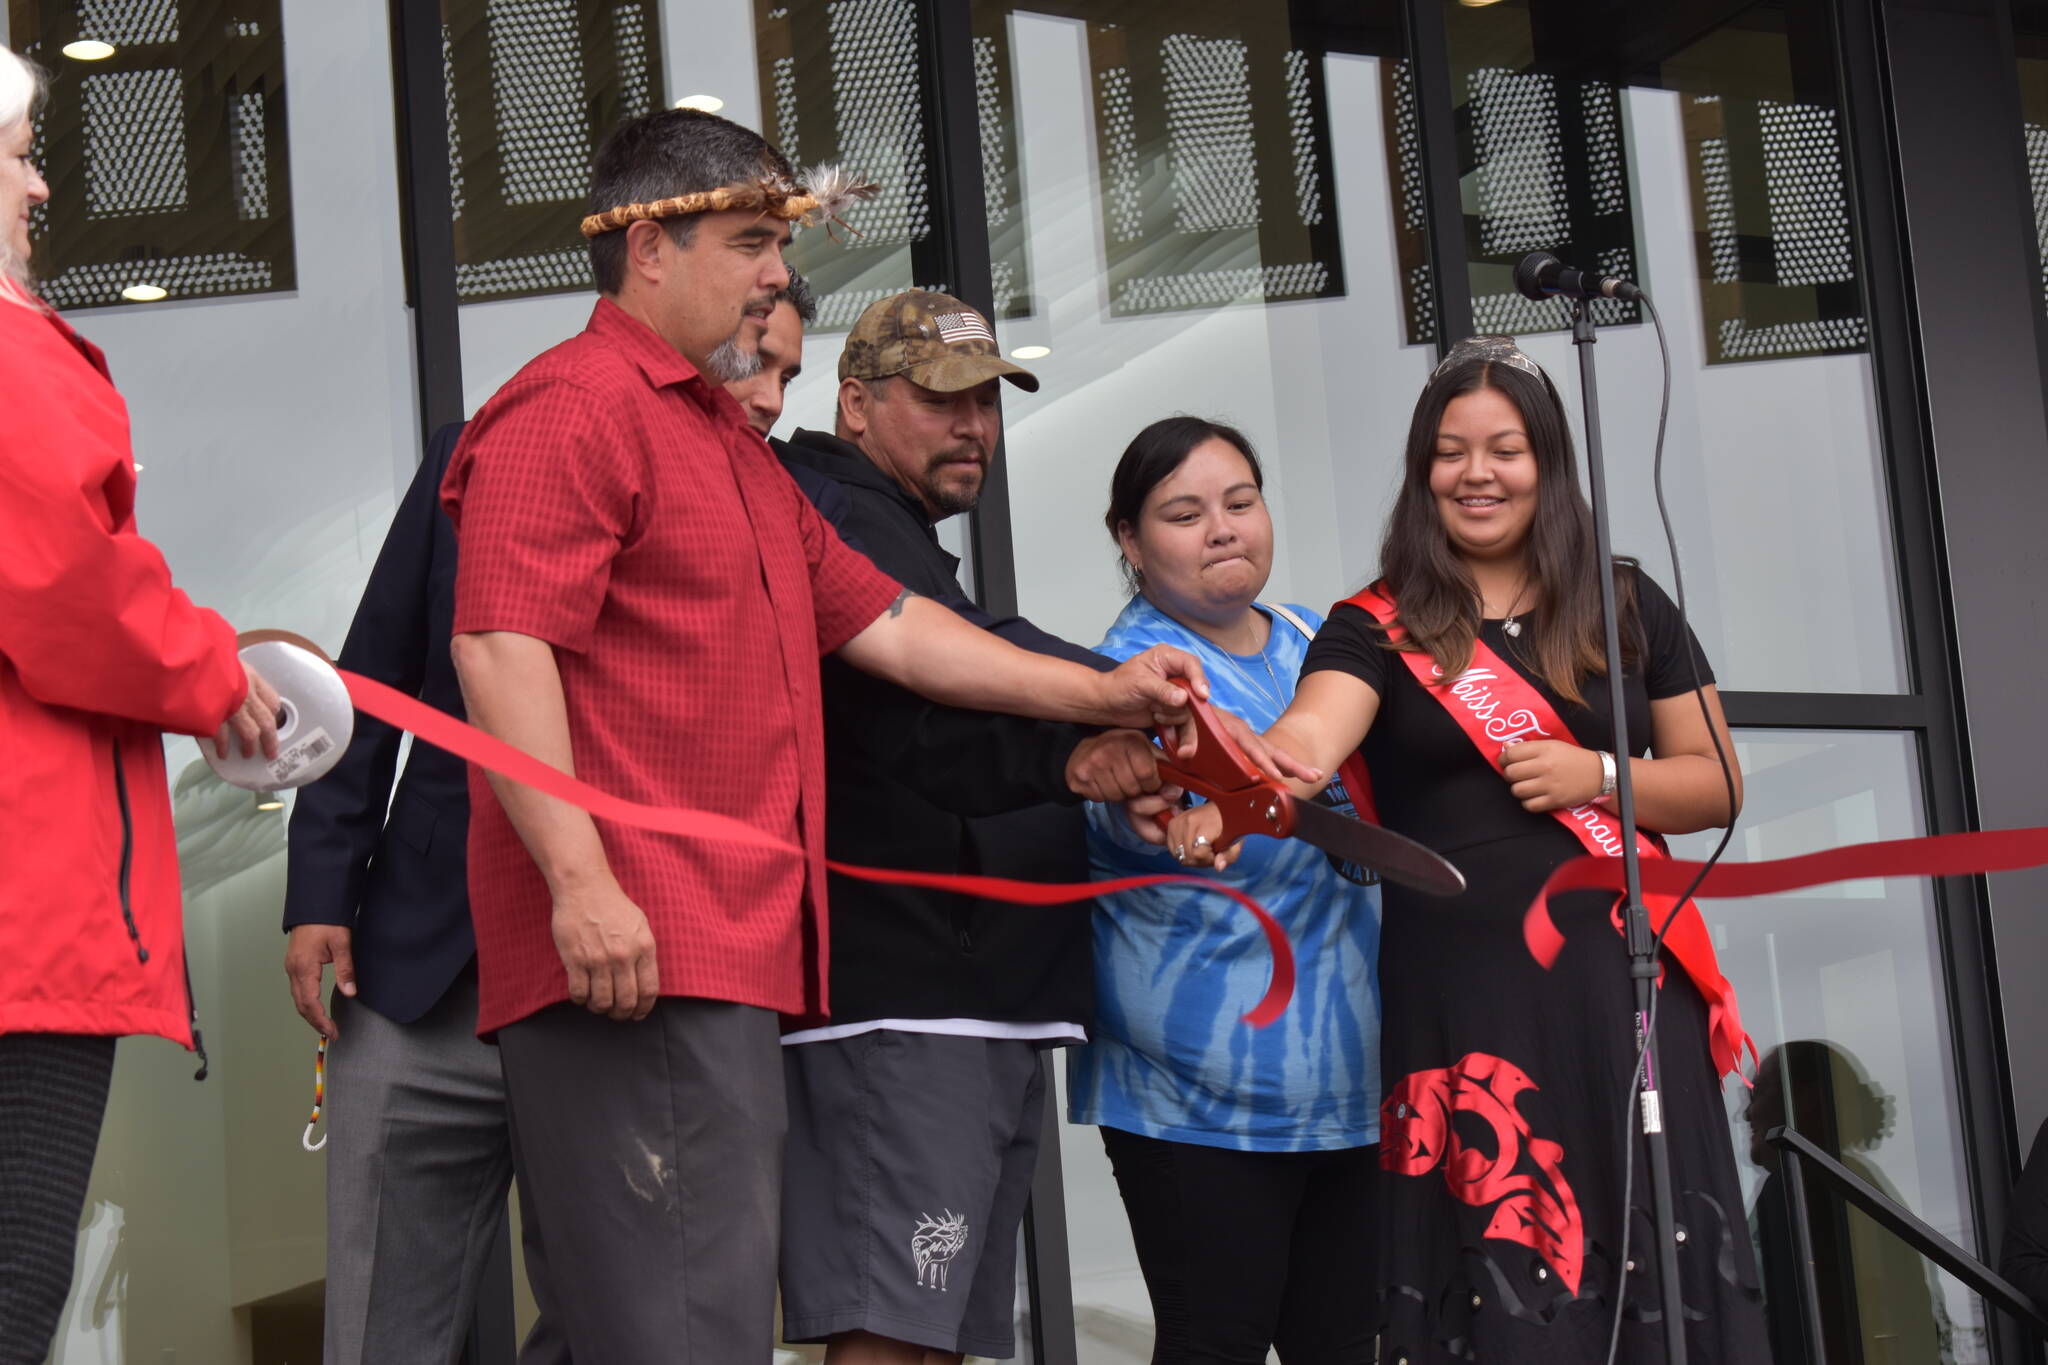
<point>642,599</point>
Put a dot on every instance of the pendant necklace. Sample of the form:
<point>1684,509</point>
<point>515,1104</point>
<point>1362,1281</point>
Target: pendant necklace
<point>1509,623</point>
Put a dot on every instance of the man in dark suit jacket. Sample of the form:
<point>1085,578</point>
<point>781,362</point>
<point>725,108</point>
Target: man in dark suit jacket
<point>419,1151</point>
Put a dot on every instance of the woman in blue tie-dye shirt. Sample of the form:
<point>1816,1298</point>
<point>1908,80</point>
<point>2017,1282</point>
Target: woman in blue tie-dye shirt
<point>1245,1157</point>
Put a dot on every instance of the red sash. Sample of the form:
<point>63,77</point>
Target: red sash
<point>1496,706</point>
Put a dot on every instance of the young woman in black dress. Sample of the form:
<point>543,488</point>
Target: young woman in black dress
<point>1507,1085</point>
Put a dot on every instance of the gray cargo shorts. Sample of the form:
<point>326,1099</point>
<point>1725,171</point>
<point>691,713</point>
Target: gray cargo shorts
<point>907,1168</point>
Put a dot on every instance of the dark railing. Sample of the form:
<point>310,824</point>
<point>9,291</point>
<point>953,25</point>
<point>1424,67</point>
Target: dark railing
<point>1894,1218</point>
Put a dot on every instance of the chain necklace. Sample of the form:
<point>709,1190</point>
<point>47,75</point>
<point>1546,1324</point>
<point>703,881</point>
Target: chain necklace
<point>1264,658</point>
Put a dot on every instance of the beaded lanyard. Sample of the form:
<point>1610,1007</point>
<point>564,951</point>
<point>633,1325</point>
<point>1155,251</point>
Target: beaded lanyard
<point>319,1098</point>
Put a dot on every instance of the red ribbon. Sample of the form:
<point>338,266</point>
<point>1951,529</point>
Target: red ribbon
<point>1937,855</point>
<point>443,731</point>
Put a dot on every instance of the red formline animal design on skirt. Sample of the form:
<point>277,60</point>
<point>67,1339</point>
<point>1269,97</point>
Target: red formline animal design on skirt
<point>1536,1206</point>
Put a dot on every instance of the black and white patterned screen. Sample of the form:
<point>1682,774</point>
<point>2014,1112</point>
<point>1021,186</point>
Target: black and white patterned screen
<point>840,83</point>
<point>533,88</point>
<point>1776,254</point>
<point>167,160</point>
<point>1545,169</point>
<point>1212,139</point>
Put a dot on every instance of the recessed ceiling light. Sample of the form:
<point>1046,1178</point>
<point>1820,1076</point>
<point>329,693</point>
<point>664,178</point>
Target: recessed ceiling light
<point>88,50</point>
<point>1477,4</point>
<point>706,104</point>
<point>1031,352</point>
<point>269,803</point>
<point>144,293</point>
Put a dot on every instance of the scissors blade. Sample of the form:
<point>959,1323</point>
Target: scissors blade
<point>1395,857</point>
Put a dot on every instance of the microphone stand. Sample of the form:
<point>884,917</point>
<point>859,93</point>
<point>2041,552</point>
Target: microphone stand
<point>1642,935</point>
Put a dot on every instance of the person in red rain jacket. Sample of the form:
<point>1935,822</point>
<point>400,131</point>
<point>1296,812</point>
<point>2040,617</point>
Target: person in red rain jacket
<point>99,654</point>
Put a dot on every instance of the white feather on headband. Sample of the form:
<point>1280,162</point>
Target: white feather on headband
<point>832,190</point>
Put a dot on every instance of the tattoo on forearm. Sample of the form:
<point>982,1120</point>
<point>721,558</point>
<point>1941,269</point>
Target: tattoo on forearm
<point>896,607</point>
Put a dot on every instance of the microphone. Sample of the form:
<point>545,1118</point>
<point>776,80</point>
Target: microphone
<point>1541,275</point>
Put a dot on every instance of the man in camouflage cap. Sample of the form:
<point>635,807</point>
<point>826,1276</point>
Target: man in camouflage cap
<point>940,357</point>
<point>925,1089</point>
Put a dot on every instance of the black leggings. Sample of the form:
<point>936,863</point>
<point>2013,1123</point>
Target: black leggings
<point>53,1094</point>
<point>1248,1250</point>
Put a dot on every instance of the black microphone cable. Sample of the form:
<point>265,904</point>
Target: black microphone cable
<point>1631,1110</point>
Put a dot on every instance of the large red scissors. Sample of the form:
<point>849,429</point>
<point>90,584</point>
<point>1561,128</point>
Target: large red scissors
<point>1252,803</point>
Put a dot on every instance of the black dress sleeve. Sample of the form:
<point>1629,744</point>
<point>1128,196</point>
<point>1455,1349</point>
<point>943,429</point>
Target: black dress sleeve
<point>2024,1259</point>
<point>1348,643</point>
<point>1667,640</point>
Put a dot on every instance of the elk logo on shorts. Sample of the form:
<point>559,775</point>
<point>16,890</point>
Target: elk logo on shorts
<point>934,1245</point>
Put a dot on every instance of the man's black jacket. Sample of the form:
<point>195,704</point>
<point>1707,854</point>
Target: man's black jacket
<point>910,784</point>
<point>400,883</point>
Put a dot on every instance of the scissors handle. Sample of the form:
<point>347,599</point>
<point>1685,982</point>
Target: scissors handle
<point>1249,801</point>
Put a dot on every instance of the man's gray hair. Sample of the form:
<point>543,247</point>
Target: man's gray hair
<point>664,155</point>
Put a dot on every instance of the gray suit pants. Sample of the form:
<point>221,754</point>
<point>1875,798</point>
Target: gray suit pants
<point>650,1159</point>
<point>419,1156</point>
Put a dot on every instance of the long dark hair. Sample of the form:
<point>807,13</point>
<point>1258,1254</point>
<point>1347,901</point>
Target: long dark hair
<point>1150,459</point>
<point>1433,591</point>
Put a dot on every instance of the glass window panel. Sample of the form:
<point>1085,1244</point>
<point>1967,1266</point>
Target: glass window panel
<point>1543,167</point>
<point>273,435</point>
<point>167,156</point>
<point>1263,289</point>
<point>1322,385</point>
<point>1774,466</point>
<point>1841,986</point>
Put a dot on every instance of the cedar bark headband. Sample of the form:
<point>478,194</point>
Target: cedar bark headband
<point>829,192</point>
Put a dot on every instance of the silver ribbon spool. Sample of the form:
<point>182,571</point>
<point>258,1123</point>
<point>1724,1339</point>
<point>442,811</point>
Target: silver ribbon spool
<point>315,723</point>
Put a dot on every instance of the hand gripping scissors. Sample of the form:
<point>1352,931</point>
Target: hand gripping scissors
<point>1252,803</point>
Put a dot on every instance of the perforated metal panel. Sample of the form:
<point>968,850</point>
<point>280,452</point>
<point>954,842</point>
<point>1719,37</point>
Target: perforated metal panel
<point>1301,132</point>
<point>1209,138</point>
<point>1777,256</point>
<point>2037,174</point>
<point>1123,193</point>
<point>1809,202</point>
<point>129,23</point>
<point>533,88</point>
<point>1549,171</point>
<point>252,157</point>
<point>135,149</point>
<point>878,116</point>
<point>537,77</point>
<point>1402,118</point>
<point>1522,205</point>
<point>167,161</point>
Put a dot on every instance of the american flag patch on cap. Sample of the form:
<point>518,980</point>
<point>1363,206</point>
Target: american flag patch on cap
<point>954,327</point>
